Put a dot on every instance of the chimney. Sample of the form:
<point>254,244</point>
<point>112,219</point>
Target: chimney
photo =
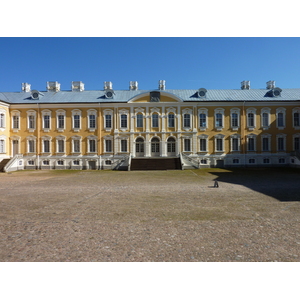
<point>161,84</point>
<point>245,85</point>
<point>270,85</point>
<point>26,87</point>
<point>107,85</point>
<point>53,86</point>
<point>133,85</point>
<point>77,86</point>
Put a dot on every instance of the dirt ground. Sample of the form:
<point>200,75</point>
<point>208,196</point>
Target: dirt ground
<point>174,216</point>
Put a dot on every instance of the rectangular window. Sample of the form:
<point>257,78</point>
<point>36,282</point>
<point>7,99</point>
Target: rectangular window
<point>281,160</point>
<point>47,146</point>
<point>219,146</point>
<point>265,144</point>
<point>76,146</point>
<point>76,162</point>
<point>61,122</point>
<point>2,121</point>
<point>235,144</point>
<point>251,161</point>
<point>61,146</point>
<point>187,145</point>
<point>46,122</point>
<point>236,161</point>
<point>15,122</point>
<point>123,121</point>
<point>31,122</point>
<point>2,146</point>
<point>250,120</point>
<point>92,145</point>
<point>296,119</point>
<point>155,120</point>
<point>266,160</point>
<point>265,120</point>
<point>234,120</point>
<point>280,144</point>
<point>219,120</point>
<point>46,162</point>
<point>76,121</point>
<point>251,144</point>
<point>203,145</point>
<point>31,146</point>
<point>187,120</point>
<point>108,145</point>
<point>139,120</point>
<point>108,121</point>
<point>171,120</point>
<point>92,121</point>
<point>202,120</point>
<point>123,145</point>
<point>280,120</point>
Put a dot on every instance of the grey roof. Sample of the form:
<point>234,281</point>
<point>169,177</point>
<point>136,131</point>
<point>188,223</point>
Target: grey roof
<point>126,95</point>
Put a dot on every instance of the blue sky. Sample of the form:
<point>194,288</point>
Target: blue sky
<point>185,63</point>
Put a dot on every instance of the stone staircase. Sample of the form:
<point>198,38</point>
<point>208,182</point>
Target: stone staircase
<point>3,163</point>
<point>138,164</point>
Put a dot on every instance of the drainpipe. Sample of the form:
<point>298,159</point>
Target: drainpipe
<point>38,137</point>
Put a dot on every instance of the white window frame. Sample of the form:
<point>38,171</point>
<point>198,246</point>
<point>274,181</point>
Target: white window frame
<point>121,144</point>
<point>2,144</point>
<point>59,113</point>
<point>60,140</point>
<point>187,144</point>
<point>94,138</point>
<point>203,111</point>
<point>2,119</point>
<point>31,140</point>
<point>43,139</point>
<point>251,135</point>
<point>219,137</point>
<point>296,110</point>
<point>156,120</point>
<point>268,137</point>
<point>126,113</point>
<point>91,112</point>
<point>297,135</point>
<point>221,112</point>
<point>205,138</point>
<point>187,112</point>
<point>108,138</point>
<point>238,138</point>
<point>15,113</point>
<point>281,110</point>
<point>139,120</point>
<point>46,112</point>
<point>266,111</point>
<point>251,111</point>
<point>281,136</point>
<point>76,112</point>
<point>235,111</point>
<point>78,139</point>
<point>31,117</point>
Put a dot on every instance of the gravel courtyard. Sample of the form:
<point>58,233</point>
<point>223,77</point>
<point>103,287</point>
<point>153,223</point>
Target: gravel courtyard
<point>141,216</point>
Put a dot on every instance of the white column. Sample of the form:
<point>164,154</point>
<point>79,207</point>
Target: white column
<point>147,146</point>
<point>163,145</point>
<point>163,119</point>
<point>132,118</point>
<point>147,117</point>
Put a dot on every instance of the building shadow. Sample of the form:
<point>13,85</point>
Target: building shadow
<point>282,184</point>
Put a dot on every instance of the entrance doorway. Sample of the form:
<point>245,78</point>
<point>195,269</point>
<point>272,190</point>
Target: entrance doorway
<point>92,165</point>
<point>171,147</point>
<point>15,147</point>
<point>139,147</point>
<point>220,163</point>
<point>155,147</point>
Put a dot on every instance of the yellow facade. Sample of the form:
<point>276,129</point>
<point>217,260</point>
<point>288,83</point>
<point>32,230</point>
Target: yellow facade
<point>95,135</point>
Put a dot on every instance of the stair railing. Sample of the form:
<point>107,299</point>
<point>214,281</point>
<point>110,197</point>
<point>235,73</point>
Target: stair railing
<point>189,160</point>
<point>121,161</point>
<point>14,160</point>
<point>296,153</point>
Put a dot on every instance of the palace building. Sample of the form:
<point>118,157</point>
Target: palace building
<point>123,129</point>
